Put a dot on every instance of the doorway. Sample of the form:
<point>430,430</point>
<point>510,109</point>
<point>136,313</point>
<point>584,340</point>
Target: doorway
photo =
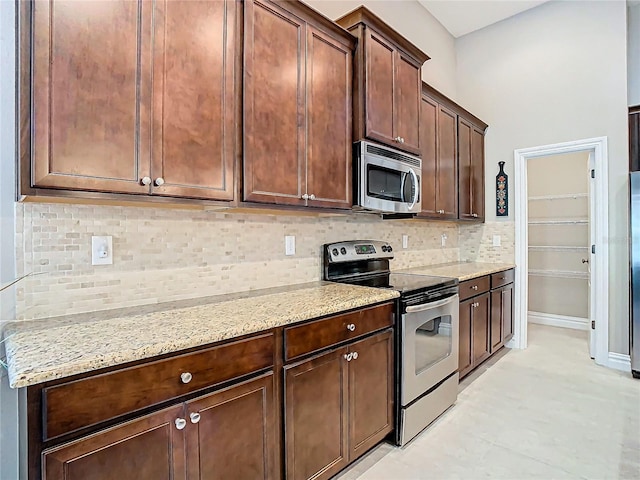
<point>596,254</point>
<point>559,241</point>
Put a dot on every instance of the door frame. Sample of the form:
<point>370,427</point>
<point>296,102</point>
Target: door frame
<point>599,262</point>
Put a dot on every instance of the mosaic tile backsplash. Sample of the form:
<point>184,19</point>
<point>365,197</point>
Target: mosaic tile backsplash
<point>170,254</point>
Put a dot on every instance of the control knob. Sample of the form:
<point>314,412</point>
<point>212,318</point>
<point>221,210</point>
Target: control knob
<point>343,251</point>
<point>389,249</point>
<point>334,252</point>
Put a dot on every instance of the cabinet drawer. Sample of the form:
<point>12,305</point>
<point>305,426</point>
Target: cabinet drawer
<point>502,278</point>
<point>319,334</point>
<point>473,287</point>
<point>88,401</point>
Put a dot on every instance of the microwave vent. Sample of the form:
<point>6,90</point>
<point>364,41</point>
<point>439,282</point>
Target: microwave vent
<point>395,155</point>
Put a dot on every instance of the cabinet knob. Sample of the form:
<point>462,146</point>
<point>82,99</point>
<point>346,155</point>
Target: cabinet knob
<point>397,139</point>
<point>180,423</point>
<point>159,181</point>
<point>401,140</point>
<point>474,215</point>
<point>312,197</point>
<point>440,211</point>
<point>355,355</point>
<point>305,196</point>
<point>186,377</point>
<point>145,180</point>
<point>475,304</point>
<point>195,417</point>
<point>474,287</point>
<point>348,356</point>
<point>351,327</point>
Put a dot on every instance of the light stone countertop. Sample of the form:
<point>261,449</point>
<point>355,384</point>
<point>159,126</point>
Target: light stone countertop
<point>42,350</point>
<point>460,270</point>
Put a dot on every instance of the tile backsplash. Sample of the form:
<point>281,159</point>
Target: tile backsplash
<point>164,254</point>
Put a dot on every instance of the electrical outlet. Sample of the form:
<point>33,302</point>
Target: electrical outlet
<point>443,240</point>
<point>496,240</point>
<point>101,250</point>
<point>405,241</point>
<point>289,245</point>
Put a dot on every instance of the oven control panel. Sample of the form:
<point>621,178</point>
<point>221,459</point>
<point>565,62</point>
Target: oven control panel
<point>358,250</point>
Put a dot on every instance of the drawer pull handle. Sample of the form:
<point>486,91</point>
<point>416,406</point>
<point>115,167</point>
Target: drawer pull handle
<point>195,417</point>
<point>186,377</point>
<point>355,355</point>
<point>348,356</point>
<point>474,287</point>
<point>180,423</point>
<point>351,327</point>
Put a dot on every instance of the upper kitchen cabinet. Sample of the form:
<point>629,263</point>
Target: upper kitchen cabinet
<point>130,97</point>
<point>388,83</point>
<point>297,109</point>
<point>439,141</point>
<point>471,168</point>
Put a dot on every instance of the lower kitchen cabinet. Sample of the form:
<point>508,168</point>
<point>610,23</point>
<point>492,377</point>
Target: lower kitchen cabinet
<point>486,318</point>
<point>226,434</point>
<point>148,447</point>
<point>337,406</point>
<point>501,316</point>
<point>233,435</point>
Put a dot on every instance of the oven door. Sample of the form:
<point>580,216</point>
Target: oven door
<point>388,185</point>
<point>429,346</point>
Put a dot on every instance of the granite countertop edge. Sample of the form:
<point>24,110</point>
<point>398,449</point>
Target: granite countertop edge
<point>45,350</point>
<point>460,270</point>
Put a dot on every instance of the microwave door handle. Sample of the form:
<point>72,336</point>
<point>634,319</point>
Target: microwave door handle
<point>416,193</point>
<point>428,306</point>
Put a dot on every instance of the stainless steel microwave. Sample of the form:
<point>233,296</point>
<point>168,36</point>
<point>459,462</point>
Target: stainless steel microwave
<point>386,180</point>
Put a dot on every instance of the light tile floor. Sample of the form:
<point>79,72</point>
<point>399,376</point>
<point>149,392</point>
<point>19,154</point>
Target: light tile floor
<point>545,412</point>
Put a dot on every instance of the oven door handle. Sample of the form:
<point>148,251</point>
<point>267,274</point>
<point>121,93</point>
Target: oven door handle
<point>429,306</point>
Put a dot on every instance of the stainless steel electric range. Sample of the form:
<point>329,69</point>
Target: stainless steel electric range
<point>426,335</point>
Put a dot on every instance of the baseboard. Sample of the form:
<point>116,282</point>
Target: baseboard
<point>562,321</point>
<point>619,361</point>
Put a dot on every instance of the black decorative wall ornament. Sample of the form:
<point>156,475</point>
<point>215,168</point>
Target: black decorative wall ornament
<point>502,192</point>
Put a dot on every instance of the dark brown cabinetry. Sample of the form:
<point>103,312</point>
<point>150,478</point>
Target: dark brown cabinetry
<point>634,138</point>
<point>338,404</point>
<point>471,171</point>
<point>387,83</point>
<point>452,143</point>
<point>438,139</point>
<point>128,97</point>
<point>297,110</point>
<point>227,434</point>
<point>486,318</point>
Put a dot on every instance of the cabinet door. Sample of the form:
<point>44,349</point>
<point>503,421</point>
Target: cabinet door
<point>196,97</point>
<point>465,169</point>
<point>429,149</point>
<point>91,120</point>
<point>477,174</point>
<point>316,416</point>
<point>507,313</point>
<point>464,349</point>
<point>274,105</point>
<point>148,447</point>
<point>407,93</point>
<point>329,121</point>
<point>379,89</point>
<point>231,433</point>
<point>447,186</point>
<point>497,333</point>
<point>370,392</point>
<point>480,329</point>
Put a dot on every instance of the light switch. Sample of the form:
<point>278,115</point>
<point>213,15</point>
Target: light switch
<point>443,240</point>
<point>102,250</point>
<point>289,245</point>
<point>405,241</point>
<point>496,240</point>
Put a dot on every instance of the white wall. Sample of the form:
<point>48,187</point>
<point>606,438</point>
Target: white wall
<point>417,25</point>
<point>8,397</point>
<point>553,74</point>
<point>633,54</point>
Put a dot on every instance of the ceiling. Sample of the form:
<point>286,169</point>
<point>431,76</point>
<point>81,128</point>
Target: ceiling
<point>460,17</point>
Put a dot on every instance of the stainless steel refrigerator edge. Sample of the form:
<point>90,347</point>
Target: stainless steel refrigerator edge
<point>634,260</point>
